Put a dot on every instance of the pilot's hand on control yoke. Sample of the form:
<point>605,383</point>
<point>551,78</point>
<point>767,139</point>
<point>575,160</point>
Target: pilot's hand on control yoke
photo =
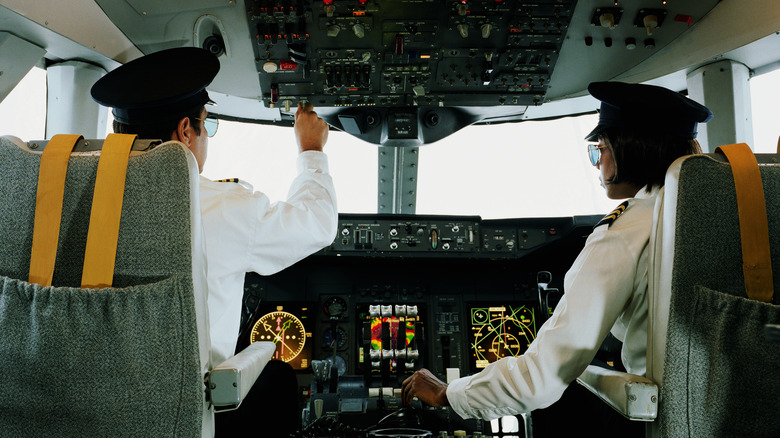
<point>426,387</point>
<point>311,132</point>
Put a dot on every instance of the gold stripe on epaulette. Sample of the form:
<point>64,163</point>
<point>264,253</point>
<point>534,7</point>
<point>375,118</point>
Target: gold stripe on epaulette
<point>612,216</point>
<point>231,180</point>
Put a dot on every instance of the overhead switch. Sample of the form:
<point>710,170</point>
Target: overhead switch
<point>359,29</point>
<point>606,17</point>
<point>486,28</point>
<point>270,67</point>
<point>650,22</point>
<point>607,20</point>
<point>333,30</point>
<point>463,30</point>
<point>463,8</point>
<point>329,7</point>
<point>399,45</point>
<point>274,93</point>
<point>650,19</point>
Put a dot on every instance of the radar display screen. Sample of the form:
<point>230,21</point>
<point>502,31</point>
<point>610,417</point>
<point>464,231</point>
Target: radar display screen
<point>390,335</point>
<point>499,331</point>
<point>287,328</point>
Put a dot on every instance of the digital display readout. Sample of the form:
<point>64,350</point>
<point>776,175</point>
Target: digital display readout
<point>499,331</point>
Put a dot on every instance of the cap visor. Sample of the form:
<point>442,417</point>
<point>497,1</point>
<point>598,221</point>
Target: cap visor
<point>594,135</point>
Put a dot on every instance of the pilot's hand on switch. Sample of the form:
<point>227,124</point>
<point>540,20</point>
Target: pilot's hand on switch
<point>311,132</point>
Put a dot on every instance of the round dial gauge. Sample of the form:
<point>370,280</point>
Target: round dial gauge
<point>329,339</point>
<point>283,329</point>
<point>335,306</point>
<point>339,363</point>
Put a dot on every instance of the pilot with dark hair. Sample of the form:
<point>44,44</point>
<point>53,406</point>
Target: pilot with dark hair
<point>163,96</point>
<point>642,129</point>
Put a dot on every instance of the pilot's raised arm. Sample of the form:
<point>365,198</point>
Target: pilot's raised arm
<point>246,232</point>
<point>642,129</point>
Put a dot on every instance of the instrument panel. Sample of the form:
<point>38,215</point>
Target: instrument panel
<point>371,313</point>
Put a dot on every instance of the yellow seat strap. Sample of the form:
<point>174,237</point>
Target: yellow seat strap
<point>48,207</point>
<point>103,234</point>
<point>753,224</point>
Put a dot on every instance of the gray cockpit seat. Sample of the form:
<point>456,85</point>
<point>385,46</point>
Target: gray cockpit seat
<point>127,360</point>
<point>711,369</point>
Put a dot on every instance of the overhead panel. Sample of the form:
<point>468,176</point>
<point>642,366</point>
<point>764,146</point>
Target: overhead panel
<point>608,38</point>
<point>405,53</point>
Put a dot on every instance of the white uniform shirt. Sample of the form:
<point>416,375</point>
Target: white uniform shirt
<point>245,232</point>
<point>605,290</point>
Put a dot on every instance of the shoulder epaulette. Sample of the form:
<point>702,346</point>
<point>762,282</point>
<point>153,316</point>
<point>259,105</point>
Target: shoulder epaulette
<point>232,180</point>
<point>612,217</point>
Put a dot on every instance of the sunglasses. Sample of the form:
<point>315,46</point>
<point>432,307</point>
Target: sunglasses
<point>594,154</point>
<point>211,124</point>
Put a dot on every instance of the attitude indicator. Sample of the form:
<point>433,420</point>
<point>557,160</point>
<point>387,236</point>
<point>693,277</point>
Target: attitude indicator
<point>283,329</point>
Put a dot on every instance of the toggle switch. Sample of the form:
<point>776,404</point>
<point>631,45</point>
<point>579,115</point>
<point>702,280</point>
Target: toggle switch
<point>463,30</point>
<point>651,22</point>
<point>359,30</point>
<point>607,20</point>
<point>486,29</point>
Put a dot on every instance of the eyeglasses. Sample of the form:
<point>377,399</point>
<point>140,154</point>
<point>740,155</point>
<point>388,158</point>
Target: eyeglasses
<point>594,154</point>
<point>211,124</point>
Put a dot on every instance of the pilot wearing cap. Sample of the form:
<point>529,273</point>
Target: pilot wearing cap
<point>642,129</point>
<point>163,96</point>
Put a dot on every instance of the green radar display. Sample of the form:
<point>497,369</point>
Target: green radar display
<point>500,331</point>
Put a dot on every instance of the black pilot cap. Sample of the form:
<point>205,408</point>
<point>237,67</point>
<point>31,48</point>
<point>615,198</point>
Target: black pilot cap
<point>157,87</point>
<point>646,108</point>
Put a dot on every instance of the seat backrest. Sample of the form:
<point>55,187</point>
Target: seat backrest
<point>127,360</point>
<point>706,343</point>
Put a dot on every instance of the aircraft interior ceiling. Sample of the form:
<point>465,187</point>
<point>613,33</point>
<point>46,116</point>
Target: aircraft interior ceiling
<point>405,73</point>
<point>397,292</point>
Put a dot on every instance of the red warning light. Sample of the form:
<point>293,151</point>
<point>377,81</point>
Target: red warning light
<point>680,18</point>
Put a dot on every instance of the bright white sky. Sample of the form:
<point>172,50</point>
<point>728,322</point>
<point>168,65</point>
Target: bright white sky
<point>529,169</point>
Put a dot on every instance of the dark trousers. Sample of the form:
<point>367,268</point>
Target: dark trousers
<point>270,409</point>
<point>580,413</point>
